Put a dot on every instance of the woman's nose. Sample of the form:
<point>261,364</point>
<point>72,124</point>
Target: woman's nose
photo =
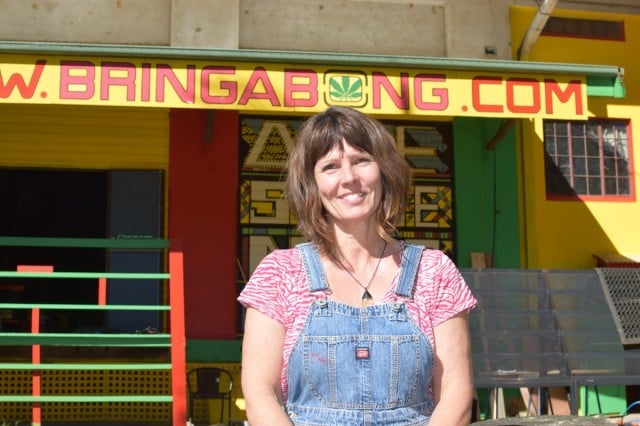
<point>348,173</point>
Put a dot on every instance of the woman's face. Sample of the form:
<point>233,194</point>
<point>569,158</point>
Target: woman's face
<point>349,183</point>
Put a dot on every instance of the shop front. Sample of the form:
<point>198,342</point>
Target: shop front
<point>188,146</point>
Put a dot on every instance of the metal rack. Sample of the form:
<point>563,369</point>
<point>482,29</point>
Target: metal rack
<point>547,328</point>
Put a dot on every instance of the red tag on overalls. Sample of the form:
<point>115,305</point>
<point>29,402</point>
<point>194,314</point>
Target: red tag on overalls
<point>362,352</point>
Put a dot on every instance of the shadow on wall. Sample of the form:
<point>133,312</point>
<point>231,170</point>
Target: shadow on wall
<point>568,234</point>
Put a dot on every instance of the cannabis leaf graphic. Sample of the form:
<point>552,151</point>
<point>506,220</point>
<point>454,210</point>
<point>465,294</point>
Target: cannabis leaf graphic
<point>345,88</point>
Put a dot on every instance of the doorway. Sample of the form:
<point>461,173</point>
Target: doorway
<point>71,203</point>
<point>55,204</point>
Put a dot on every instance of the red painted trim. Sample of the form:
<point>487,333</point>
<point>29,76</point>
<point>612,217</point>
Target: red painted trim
<point>34,268</point>
<point>632,162</point>
<point>178,339</point>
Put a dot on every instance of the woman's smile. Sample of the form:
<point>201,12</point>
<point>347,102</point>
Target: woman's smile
<point>353,197</point>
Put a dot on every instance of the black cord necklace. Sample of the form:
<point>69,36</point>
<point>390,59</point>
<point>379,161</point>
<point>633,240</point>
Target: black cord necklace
<point>367,299</point>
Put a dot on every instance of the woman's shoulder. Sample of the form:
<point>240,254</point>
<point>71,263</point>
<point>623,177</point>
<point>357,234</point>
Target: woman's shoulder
<point>440,286</point>
<point>429,257</point>
<point>436,265</point>
<point>435,255</point>
<point>280,271</point>
<point>285,260</point>
<point>284,253</point>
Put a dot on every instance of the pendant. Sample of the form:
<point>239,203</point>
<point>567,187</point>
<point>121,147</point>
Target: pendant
<point>367,299</point>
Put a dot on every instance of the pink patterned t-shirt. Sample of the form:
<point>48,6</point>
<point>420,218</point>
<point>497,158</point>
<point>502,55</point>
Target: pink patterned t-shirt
<point>279,289</point>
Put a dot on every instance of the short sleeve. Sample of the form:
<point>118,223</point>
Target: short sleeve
<point>278,286</point>
<point>265,290</point>
<point>450,294</point>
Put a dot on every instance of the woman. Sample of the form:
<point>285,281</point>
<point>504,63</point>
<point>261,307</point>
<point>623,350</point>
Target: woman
<point>354,327</point>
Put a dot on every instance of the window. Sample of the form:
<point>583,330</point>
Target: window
<point>584,28</point>
<point>587,159</point>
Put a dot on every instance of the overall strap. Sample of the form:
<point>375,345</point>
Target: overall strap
<point>408,268</point>
<point>313,267</point>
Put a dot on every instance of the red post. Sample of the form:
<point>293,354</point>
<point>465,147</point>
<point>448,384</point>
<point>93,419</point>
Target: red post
<point>36,375</point>
<point>178,339</point>
<point>102,291</point>
<point>36,357</point>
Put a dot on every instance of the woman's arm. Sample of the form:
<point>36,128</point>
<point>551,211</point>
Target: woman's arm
<point>262,350</point>
<point>453,376</point>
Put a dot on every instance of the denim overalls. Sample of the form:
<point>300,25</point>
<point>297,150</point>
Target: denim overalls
<point>360,366</point>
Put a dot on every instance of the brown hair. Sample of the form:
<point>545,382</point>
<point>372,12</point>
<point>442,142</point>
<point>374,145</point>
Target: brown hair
<point>320,134</point>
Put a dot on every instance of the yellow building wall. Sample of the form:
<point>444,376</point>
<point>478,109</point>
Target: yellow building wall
<point>56,136</point>
<point>566,234</point>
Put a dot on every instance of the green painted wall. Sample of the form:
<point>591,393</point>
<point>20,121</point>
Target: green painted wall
<point>205,350</point>
<point>486,192</point>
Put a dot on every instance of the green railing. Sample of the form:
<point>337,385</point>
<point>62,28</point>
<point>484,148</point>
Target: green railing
<point>173,341</point>
<point>124,242</point>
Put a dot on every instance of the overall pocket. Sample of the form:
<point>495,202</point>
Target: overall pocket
<point>366,371</point>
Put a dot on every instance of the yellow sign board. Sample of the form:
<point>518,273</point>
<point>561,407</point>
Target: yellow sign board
<point>287,88</point>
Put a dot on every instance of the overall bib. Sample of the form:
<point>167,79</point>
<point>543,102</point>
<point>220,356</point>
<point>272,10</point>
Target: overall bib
<point>360,366</point>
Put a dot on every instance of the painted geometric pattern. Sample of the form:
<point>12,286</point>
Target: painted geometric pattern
<point>434,206</point>
<point>262,203</point>
<point>429,206</point>
<point>268,143</point>
<point>426,149</point>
